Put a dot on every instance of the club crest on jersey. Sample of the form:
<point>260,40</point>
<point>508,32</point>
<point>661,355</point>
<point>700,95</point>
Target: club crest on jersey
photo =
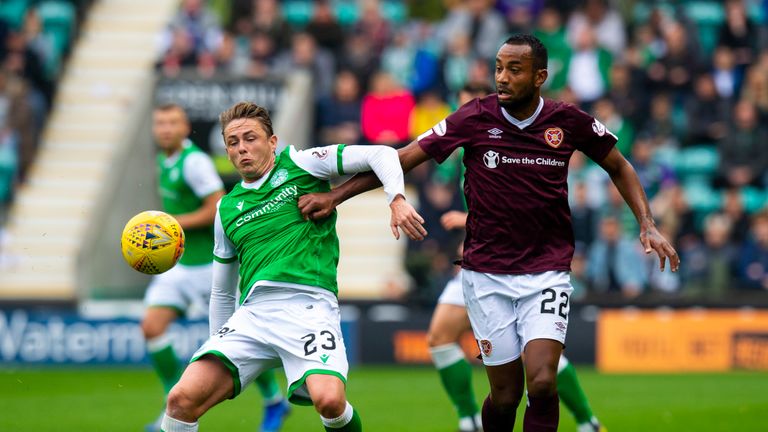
<point>553,137</point>
<point>491,159</point>
<point>486,347</point>
<point>598,128</point>
<point>279,178</point>
<point>495,133</point>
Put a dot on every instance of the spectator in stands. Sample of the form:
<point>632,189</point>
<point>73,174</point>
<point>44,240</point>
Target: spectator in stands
<point>612,264</point>
<point>267,17</point>
<point>728,77</point>
<point>180,53</point>
<point>706,112</point>
<point>605,111</point>
<point>628,92</point>
<point>709,264</point>
<point>615,207</point>
<point>743,150</point>
<point>386,112</point>
<point>551,31</point>
<point>456,62</point>
<point>662,125</point>
<point>398,58</point>
<point>755,88</point>
<point>359,57</point>
<point>588,68</point>
<point>604,21</point>
<point>674,216</point>
<point>306,55</point>
<point>673,71</point>
<point>583,217</point>
<point>733,207</point>
<point>374,26</point>
<point>339,114</point>
<point>653,173</point>
<point>485,26</point>
<point>429,110</point>
<point>738,32</point>
<point>325,28</point>
<point>201,25</point>
<point>753,258</point>
<point>262,54</point>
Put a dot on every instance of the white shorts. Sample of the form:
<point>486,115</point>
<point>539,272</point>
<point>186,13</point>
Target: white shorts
<point>181,287</point>
<point>453,294</point>
<point>508,311</point>
<point>299,329</point>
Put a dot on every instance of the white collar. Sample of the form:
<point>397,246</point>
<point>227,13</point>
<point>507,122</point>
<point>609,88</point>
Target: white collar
<point>256,184</point>
<point>522,124</point>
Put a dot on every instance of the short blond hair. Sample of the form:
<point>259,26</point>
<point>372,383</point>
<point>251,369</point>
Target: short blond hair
<point>246,110</point>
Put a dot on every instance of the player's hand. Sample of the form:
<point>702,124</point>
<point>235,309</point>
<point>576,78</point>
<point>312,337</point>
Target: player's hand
<point>407,219</point>
<point>454,219</point>
<point>652,240</point>
<point>316,206</point>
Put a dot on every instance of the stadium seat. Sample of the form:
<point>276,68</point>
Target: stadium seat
<point>697,161</point>
<point>701,197</point>
<point>12,12</point>
<point>754,199</point>
<point>298,12</point>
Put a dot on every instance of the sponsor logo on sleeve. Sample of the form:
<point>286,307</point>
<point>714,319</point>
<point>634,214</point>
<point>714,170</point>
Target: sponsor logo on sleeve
<point>441,128</point>
<point>598,128</point>
<point>320,154</point>
<point>491,159</point>
<point>553,137</point>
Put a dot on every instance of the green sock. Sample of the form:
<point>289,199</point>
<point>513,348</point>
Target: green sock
<point>354,425</point>
<point>165,362</point>
<point>572,395</point>
<point>267,384</point>
<point>457,382</point>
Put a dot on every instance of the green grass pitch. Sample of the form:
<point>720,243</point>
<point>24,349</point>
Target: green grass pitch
<point>389,399</point>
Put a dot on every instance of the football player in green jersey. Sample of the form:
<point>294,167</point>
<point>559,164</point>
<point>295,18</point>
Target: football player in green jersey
<point>189,190</point>
<point>289,312</point>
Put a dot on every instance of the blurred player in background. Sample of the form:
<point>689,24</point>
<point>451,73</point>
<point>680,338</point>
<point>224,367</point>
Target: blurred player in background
<point>189,190</point>
<point>519,243</point>
<point>450,321</point>
<point>289,311</point>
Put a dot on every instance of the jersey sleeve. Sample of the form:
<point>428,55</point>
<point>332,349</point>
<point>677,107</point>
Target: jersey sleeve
<point>322,162</point>
<point>590,136</point>
<point>451,133</point>
<point>224,250</point>
<point>200,175</point>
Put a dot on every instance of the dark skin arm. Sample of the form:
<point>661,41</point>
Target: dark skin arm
<point>320,205</point>
<point>626,181</point>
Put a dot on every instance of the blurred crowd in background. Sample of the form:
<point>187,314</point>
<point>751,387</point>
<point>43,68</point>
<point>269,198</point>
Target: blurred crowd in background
<point>683,84</point>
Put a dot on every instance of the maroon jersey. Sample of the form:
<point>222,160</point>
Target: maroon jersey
<point>516,181</point>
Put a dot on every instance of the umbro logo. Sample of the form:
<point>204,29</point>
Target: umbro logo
<point>240,205</point>
<point>495,133</point>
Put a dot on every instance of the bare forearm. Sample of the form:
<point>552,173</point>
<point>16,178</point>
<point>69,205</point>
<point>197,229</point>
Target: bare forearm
<point>626,181</point>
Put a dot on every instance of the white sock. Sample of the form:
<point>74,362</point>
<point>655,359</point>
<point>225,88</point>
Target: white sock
<point>446,355</point>
<point>340,421</point>
<point>158,343</point>
<point>173,425</point>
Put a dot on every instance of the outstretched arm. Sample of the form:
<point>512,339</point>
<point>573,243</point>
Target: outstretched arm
<point>319,206</point>
<point>626,181</point>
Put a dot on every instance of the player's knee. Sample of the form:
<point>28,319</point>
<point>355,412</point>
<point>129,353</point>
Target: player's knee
<point>542,385</point>
<point>330,405</point>
<point>506,397</point>
<point>437,338</point>
<point>151,329</point>
<point>181,405</point>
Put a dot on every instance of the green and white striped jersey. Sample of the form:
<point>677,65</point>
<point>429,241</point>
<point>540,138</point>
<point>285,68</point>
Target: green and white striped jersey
<point>185,179</point>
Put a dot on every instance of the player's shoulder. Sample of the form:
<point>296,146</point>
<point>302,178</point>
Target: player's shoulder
<point>563,109</point>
